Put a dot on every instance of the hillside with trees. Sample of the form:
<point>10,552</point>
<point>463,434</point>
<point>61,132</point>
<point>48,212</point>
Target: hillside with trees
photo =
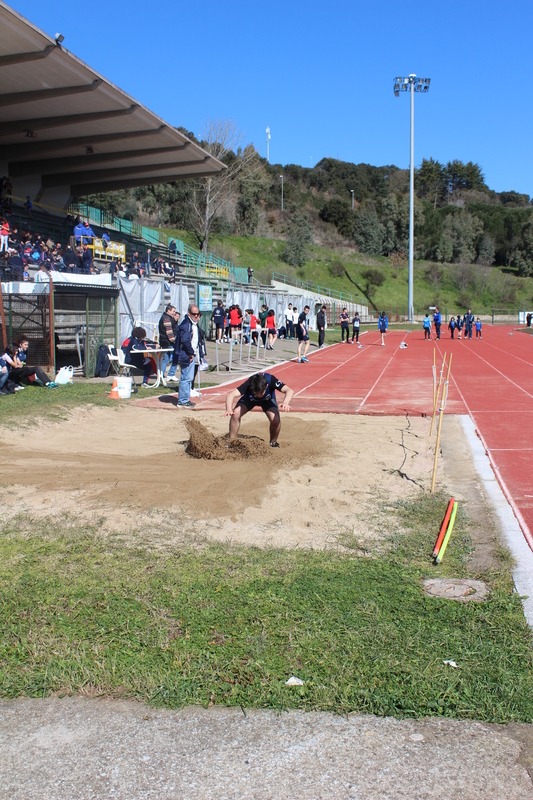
<point>459,220</point>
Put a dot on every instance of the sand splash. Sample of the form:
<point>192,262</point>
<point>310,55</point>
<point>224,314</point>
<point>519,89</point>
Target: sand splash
<point>203,444</point>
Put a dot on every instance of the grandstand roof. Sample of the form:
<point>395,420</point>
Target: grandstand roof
<point>64,127</point>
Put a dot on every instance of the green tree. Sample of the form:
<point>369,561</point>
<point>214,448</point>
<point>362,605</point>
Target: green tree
<point>298,237</point>
<point>430,181</point>
<point>368,232</point>
<point>339,213</point>
<point>458,239</point>
<point>486,251</point>
<point>523,253</point>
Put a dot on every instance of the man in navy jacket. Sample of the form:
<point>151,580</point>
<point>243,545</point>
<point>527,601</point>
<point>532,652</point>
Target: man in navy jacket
<point>437,319</point>
<point>188,349</point>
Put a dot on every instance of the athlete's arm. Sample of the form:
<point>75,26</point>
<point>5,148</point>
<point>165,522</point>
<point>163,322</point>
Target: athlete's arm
<point>230,402</point>
<point>289,394</point>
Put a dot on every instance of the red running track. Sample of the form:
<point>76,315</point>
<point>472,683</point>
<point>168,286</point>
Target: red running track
<point>491,380</point>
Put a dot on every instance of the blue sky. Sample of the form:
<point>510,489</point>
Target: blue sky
<point>320,74</point>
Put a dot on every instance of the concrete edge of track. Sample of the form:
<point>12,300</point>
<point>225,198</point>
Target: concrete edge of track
<point>520,550</point>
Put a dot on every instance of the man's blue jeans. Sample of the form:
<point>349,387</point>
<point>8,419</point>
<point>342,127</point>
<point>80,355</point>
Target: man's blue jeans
<point>186,379</point>
<point>165,360</point>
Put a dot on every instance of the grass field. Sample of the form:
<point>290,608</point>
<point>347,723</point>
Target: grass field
<point>207,623</point>
<point>452,287</point>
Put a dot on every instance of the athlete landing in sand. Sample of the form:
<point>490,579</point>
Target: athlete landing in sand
<point>258,390</point>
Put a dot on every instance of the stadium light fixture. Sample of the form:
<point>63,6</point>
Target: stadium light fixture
<point>59,38</point>
<point>268,148</point>
<point>281,176</point>
<point>411,84</point>
<point>351,192</point>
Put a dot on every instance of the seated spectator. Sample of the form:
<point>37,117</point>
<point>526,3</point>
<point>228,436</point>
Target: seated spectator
<point>25,274</point>
<point>4,376</point>
<point>70,259</point>
<point>50,243</point>
<point>139,360</point>
<point>14,242</point>
<point>86,260</point>
<point>58,262</point>
<point>105,239</point>
<point>16,265</point>
<point>172,247</point>
<point>18,371</point>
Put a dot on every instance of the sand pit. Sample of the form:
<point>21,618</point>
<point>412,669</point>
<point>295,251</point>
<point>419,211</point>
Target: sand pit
<point>127,468</point>
<point>204,445</point>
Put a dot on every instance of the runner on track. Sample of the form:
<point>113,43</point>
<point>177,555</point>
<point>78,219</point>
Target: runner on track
<point>259,390</point>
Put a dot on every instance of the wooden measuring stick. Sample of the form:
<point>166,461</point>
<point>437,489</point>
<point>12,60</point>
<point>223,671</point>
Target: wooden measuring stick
<point>443,527</point>
<point>436,397</point>
<point>434,378</point>
<point>444,545</point>
<point>439,427</point>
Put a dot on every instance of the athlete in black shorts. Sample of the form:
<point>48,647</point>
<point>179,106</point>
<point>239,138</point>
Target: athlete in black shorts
<point>259,390</point>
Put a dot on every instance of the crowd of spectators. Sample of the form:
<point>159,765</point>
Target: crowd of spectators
<point>22,250</point>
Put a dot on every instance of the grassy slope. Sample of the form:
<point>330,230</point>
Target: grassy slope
<point>264,256</point>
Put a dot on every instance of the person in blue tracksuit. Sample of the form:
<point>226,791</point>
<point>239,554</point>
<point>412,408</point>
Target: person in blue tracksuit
<point>437,319</point>
<point>469,323</point>
<point>383,324</point>
<point>459,325</point>
<point>452,326</point>
<point>478,328</point>
<point>427,326</point>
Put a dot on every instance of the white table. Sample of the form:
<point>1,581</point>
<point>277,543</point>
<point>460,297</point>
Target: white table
<point>157,354</point>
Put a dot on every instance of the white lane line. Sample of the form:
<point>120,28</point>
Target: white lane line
<point>360,353</point>
<point>509,449</point>
<point>497,491</point>
<point>503,375</point>
<point>380,375</point>
<point>507,353</point>
<point>328,373</point>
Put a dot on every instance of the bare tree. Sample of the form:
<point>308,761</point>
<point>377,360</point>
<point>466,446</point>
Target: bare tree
<point>222,139</point>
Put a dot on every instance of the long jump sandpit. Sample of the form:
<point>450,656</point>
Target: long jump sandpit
<point>129,468</point>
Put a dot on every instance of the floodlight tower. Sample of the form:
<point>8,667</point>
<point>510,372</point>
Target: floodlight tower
<point>411,84</point>
<point>281,176</point>
<point>268,145</point>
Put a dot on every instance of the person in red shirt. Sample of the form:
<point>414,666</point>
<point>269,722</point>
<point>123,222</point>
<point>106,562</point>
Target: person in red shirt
<point>272,330</point>
<point>235,320</point>
<point>4,235</point>
<point>253,326</point>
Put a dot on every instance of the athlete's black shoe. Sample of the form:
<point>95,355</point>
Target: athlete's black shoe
<point>274,444</point>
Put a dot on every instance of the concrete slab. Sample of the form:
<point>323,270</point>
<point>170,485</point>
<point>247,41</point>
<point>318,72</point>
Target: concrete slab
<point>91,749</point>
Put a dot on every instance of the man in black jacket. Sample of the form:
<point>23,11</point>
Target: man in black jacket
<point>321,323</point>
<point>167,338</point>
<point>188,349</point>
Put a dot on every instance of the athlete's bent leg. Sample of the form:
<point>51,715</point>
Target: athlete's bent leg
<point>235,420</point>
<point>275,423</point>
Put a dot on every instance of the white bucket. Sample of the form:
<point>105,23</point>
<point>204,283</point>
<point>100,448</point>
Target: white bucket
<point>124,388</point>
